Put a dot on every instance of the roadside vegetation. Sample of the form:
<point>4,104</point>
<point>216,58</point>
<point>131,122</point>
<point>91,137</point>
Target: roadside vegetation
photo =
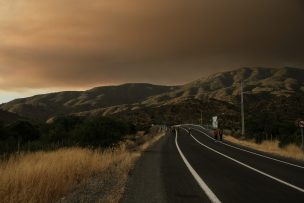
<point>49,162</point>
<point>264,126</point>
<point>65,131</point>
<point>62,174</point>
<point>268,131</point>
<point>273,147</point>
<point>267,126</point>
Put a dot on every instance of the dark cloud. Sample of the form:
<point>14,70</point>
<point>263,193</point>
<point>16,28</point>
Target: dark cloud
<point>74,43</point>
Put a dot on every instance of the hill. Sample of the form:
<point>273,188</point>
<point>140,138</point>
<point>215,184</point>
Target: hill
<point>43,107</point>
<point>276,89</point>
<point>225,86</point>
<point>8,117</point>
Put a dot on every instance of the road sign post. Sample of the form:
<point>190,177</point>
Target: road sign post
<point>302,145</point>
<point>214,122</point>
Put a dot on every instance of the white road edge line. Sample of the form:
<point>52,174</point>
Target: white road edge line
<point>267,157</point>
<point>198,179</point>
<point>247,166</point>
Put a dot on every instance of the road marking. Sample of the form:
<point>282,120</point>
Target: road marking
<point>247,166</point>
<point>194,125</point>
<point>267,157</point>
<point>198,179</point>
<point>263,156</point>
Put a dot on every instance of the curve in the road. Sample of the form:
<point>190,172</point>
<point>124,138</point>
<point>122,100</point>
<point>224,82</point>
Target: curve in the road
<point>247,166</point>
<point>213,198</point>
<point>267,157</point>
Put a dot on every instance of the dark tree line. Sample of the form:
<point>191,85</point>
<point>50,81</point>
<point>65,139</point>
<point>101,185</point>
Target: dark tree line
<point>270,126</point>
<point>274,118</point>
<point>63,132</point>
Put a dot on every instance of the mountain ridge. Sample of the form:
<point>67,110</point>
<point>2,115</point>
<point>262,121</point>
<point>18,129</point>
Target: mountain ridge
<point>266,83</point>
<point>41,107</point>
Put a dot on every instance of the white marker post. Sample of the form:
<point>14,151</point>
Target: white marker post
<point>214,122</point>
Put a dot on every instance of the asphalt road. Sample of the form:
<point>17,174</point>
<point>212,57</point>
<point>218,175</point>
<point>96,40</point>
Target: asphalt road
<point>193,167</point>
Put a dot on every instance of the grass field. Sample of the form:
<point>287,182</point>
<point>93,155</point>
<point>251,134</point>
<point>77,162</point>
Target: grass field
<point>290,151</point>
<point>49,176</point>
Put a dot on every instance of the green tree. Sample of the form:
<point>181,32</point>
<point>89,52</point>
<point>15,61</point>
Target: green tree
<point>23,131</point>
<point>101,131</point>
<point>2,132</point>
<point>61,129</point>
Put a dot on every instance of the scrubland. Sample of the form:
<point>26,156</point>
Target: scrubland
<point>290,151</point>
<point>51,176</point>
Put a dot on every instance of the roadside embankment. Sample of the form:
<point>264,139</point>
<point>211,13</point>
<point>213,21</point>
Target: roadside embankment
<point>289,151</point>
<point>72,174</point>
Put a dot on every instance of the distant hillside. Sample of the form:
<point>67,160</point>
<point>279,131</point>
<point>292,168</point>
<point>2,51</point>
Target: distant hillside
<point>225,86</point>
<point>8,117</point>
<point>42,107</point>
<point>268,87</point>
<point>185,111</point>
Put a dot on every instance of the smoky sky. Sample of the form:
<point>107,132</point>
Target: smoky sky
<point>79,44</point>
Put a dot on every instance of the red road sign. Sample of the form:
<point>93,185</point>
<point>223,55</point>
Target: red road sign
<point>301,124</point>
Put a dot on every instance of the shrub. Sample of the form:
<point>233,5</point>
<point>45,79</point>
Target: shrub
<point>23,131</point>
<point>100,131</point>
<point>63,131</point>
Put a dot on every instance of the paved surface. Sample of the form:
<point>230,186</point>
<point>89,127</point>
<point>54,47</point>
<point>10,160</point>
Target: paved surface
<point>185,167</point>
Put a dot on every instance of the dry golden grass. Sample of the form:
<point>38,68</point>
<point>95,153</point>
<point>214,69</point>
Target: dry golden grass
<point>49,176</point>
<point>290,151</point>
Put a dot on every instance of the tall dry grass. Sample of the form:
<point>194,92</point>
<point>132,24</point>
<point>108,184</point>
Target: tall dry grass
<point>290,151</point>
<point>49,176</point>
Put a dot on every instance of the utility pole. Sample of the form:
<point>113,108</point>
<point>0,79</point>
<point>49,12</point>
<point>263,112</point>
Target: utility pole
<point>201,118</point>
<point>302,145</point>
<point>242,108</point>
<point>301,125</point>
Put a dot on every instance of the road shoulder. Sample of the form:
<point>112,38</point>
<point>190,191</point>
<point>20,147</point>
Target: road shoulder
<point>145,180</point>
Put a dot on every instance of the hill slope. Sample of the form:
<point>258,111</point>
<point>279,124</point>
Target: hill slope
<point>267,87</point>
<point>42,107</point>
<point>8,117</point>
<point>225,86</point>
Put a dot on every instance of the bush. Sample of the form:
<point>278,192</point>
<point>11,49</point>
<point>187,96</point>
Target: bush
<point>23,131</point>
<point>100,131</point>
<point>267,125</point>
<point>14,136</point>
<point>62,132</point>
<point>2,132</point>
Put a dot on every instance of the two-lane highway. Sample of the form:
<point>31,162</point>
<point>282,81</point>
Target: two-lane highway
<point>192,167</point>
